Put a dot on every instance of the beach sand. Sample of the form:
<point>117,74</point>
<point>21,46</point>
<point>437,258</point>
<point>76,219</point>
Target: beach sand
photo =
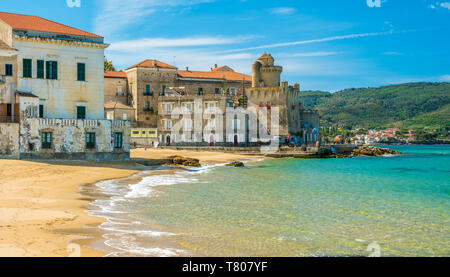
<point>40,199</point>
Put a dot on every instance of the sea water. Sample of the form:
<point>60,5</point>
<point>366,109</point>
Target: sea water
<point>363,206</point>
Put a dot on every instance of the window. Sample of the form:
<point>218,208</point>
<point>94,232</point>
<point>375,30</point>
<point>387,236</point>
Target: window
<point>211,124</point>
<point>147,106</point>
<point>216,91</point>
<point>200,91</point>
<point>147,90</point>
<point>46,140</point>
<point>40,69</point>
<point>168,108</point>
<point>27,68</point>
<point>52,70</point>
<point>81,72</point>
<point>187,125</point>
<point>167,124</point>
<point>233,91</point>
<point>41,111</point>
<point>8,70</point>
<point>90,140</point>
<point>118,140</point>
<point>81,112</point>
<point>163,90</point>
<point>236,124</point>
<point>8,110</point>
<point>189,107</point>
<point>124,116</point>
<point>119,91</point>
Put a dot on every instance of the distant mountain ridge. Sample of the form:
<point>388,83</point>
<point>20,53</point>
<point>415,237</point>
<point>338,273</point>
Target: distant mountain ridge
<point>412,105</point>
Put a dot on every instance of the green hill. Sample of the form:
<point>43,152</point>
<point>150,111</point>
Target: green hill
<point>413,105</point>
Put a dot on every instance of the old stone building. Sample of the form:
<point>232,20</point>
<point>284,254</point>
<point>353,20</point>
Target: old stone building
<point>268,91</point>
<point>52,88</point>
<point>228,118</point>
<point>116,87</point>
<point>150,79</point>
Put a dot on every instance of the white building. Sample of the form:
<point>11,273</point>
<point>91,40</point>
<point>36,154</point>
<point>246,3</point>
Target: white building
<point>51,82</point>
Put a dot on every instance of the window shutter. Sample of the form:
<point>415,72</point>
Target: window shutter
<point>47,65</point>
<point>40,69</point>
<point>55,70</point>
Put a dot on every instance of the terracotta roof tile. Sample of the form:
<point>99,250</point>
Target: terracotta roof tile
<point>151,64</point>
<point>36,23</point>
<point>117,105</point>
<point>224,75</point>
<point>115,74</point>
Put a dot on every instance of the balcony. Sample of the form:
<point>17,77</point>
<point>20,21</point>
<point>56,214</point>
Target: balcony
<point>148,110</point>
<point>148,93</point>
<point>9,119</point>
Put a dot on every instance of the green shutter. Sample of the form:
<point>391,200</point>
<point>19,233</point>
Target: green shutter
<point>81,72</point>
<point>40,69</point>
<point>27,68</point>
<point>55,70</point>
<point>47,67</point>
<point>81,112</point>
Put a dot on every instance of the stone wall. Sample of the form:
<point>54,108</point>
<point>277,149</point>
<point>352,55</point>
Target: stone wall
<point>69,139</point>
<point>9,141</point>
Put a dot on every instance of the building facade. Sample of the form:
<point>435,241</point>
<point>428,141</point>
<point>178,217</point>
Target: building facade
<point>265,110</point>
<point>52,85</point>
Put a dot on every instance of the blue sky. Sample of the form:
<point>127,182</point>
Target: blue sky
<point>322,44</point>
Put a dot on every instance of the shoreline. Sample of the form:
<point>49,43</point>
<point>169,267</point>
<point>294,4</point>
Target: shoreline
<point>44,212</point>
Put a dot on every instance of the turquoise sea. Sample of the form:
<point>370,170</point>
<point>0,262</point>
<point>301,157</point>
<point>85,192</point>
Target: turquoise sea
<point>388,206</point>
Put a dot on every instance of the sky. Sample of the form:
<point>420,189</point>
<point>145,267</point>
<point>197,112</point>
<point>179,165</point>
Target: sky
<point>322,45</point>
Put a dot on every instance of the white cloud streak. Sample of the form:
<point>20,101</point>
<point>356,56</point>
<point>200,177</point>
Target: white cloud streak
<point>276,45</point>
<point>283,11</point>
<point>116,15</point>
<point>148,43</point>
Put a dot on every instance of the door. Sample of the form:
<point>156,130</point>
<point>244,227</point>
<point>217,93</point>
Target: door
<point>236,140</point>
<point>168,140</point>
<point>81,112</point>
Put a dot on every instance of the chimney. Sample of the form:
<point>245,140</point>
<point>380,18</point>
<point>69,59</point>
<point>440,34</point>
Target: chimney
<point>187,68</point>
<point>155,62</point>
<point>215,66</point>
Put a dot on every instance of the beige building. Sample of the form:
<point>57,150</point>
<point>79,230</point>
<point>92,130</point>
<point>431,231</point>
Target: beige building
<point>116,87</point>
<point>52,86</point>
<point>240,120</point>
<point>118,111</point>
<point>150,79</point>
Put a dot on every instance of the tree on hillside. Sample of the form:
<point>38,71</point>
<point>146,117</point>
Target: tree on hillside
<point>108,65</point>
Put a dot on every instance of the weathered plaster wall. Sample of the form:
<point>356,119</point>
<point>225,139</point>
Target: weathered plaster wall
<point>8,83</point>
<point>69,138</point>
<point>6,33</point>
<point>9,141</point>
<point>60,97</point>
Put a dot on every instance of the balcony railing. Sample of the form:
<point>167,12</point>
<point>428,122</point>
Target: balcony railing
<point>9,119</point>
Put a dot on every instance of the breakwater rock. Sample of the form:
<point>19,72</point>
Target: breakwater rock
<point>374,151</point>
<point>236,164</point>
<point>182,161</point>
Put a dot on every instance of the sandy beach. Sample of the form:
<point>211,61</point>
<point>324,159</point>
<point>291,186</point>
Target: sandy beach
<point>39,199</point>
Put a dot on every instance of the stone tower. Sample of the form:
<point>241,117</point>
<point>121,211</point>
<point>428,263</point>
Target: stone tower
<point>265,73</point>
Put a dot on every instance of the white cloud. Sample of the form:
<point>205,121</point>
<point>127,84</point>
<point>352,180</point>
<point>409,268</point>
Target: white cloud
<point>445,5</point>
<point>148,43</point>
<point>308,54</point>
<point>276,45</point>
<point>445,78</point>
<point>116,15</point>
<point>283,11</point>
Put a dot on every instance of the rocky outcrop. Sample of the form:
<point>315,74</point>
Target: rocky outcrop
<point>374,151</point>
<point>182,161</point>
<point>236,164</point>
